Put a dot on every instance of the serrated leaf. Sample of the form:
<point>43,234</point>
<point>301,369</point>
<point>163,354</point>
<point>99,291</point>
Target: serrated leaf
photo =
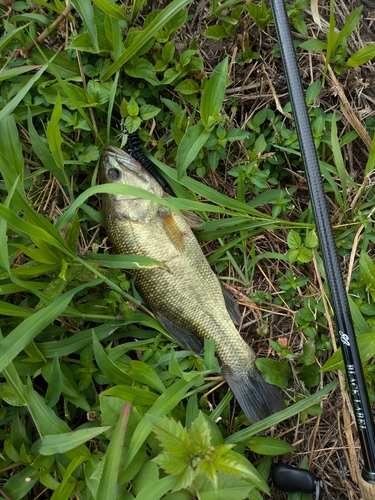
<point>310,375</point>
<point>308,356</point>
<point>147,111</point>
<point>200,433</point>
<point>173,437</point>
<point>91,153</point>
<point>304,255</point>
<point>173,464</point>
<point>311,240</point>
<point>293,239</point>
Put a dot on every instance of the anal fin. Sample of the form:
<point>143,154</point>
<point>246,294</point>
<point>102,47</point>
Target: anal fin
<point>184,338</point>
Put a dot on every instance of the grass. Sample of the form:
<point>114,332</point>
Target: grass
<point>96,399</point>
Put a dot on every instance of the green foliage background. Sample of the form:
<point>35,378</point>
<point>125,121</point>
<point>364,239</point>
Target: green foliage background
<point>96,400</point>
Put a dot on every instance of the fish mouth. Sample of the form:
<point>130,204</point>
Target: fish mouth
<point>113,156</point>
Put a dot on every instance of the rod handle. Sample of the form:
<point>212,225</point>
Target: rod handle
<point>367,489</point>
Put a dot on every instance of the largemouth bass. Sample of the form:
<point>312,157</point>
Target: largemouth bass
<point>187,298</point>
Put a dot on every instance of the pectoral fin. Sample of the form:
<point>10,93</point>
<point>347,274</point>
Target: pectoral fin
<point>183,337</point>
<point>171,228</point>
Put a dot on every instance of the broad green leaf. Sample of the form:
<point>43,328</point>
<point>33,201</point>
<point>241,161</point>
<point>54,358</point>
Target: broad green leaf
<point>113,10</point>
<point>173,437</point>
<point>274,372</point>
<point>213,94</point>
<point>60,443</point>
<point>189,147</point>
<point>187,87</point>
<point>145,374</point>
<point>313,45</point>
<point>85,10</point>
<point>216,32</point>
<point>269,446</point>
<point>367,272</point>
<point>228,487</point>
<point>132,395</point>
<point>366,346</point>
<point>157,489</point>
<point>293,239</point>
<point>54,389</point>
<point>126,261</point>
<point>20,483</point>
<point>162,18</point>
<point>108,367</point>
<point>37,18</point>
<point>359,57</point>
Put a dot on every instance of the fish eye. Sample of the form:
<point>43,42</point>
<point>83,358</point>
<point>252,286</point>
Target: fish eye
<point>114,173</point>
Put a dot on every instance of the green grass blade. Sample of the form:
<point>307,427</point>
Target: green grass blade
<point>26,331</point>
<point>108,479</point>
<point>165,403</point>
<point>189,147</point>
<point>11,106</point>
<point>22,226</point>
<point>172,9</point>
<point>156,490</point>
<point>54,139</point>
<point>339,161</point>
<point>60,443</point>
<point>10,145</point>
<point>243,435</point>
<point>43,152</point>
<point>85,10</point>
<point>113,10</point>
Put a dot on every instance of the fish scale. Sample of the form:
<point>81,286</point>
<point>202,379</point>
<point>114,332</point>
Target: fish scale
<point>187,298</point>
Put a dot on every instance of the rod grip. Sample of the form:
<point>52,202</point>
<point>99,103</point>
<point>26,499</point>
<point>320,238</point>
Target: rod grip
<point>367,489</point>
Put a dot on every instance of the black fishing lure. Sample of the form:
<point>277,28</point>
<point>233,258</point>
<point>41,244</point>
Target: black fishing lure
<point>135,150</point>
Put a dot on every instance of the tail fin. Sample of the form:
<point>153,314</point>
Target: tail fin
<point>257,399</point>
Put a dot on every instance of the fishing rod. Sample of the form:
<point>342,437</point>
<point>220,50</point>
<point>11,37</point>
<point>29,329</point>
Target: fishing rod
<point>349,347</point>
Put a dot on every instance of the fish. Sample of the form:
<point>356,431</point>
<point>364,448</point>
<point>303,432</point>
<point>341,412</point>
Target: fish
<point>186,296</point>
